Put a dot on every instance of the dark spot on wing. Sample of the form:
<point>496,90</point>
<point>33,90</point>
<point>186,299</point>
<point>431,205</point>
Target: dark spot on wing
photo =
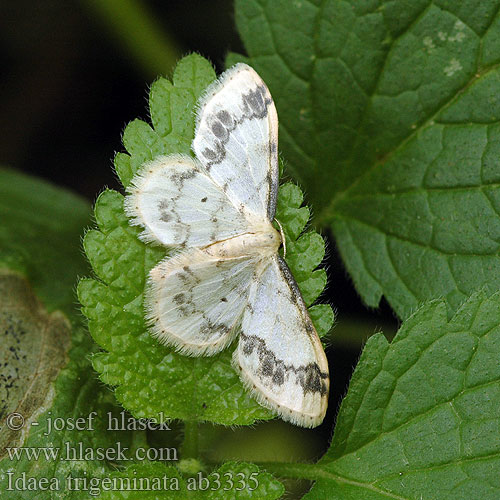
<point>225,118</point>
<point>310,328</point>
<point>220,131</point>
<point>278,376</point>
<point>209,154</point>
<point>249,344</point>
<point>208,328</point>
<point>166,212</point>
<point>203,200</point>
<point>165,216</point>
<point>255,102</point>
<point>180,298</point>
<point>215,155</point>
<point>178,178</point>
<point>187,309</point>
<point>187,276</point>
<point>310,378</point>
<point>267,365</point>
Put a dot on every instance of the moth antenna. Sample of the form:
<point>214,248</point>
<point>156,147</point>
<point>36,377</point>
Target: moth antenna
<point>283,240</point>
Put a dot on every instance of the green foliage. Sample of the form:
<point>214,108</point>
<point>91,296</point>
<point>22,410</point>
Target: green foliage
<point>389,116</point>
<point>420,419</point>
<point>39,238</point>
<point>152,380</point>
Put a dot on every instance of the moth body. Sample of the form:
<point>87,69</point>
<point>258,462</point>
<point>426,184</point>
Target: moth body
<point>262,242</point>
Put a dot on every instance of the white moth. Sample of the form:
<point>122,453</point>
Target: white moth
<point>227,276</point>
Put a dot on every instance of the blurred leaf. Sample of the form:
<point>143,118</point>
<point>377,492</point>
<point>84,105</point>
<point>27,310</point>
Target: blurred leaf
<point>138,33</point>
<point>40,232</point>
<point>33,351</point>
<point>42,377</point>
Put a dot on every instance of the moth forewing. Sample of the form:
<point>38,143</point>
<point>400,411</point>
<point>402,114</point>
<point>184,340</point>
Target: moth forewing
<point>236,139</point>
<point>178,204</point>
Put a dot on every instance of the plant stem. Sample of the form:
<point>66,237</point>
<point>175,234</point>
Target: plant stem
<point>314,472</point>
<point>139,440</point>
<point>189,447</point>
<point>292,470</point>
<point>139,33</point>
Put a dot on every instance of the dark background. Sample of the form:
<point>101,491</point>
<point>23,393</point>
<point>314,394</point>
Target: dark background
<point>69,85</point>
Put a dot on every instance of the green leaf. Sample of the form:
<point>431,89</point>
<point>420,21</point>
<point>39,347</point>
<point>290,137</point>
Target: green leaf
<point>33,351</point>
<point>420,418</point>
<point>152,380</point>
<point>389,117</point>
<point>171,107</point>
<point>44,372</point>
<point>40,236</point>
<point>231,481</point>
<point>76,394</point>
<point>304,253</point>
<point>289,210</point>
<point>323,318</point>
